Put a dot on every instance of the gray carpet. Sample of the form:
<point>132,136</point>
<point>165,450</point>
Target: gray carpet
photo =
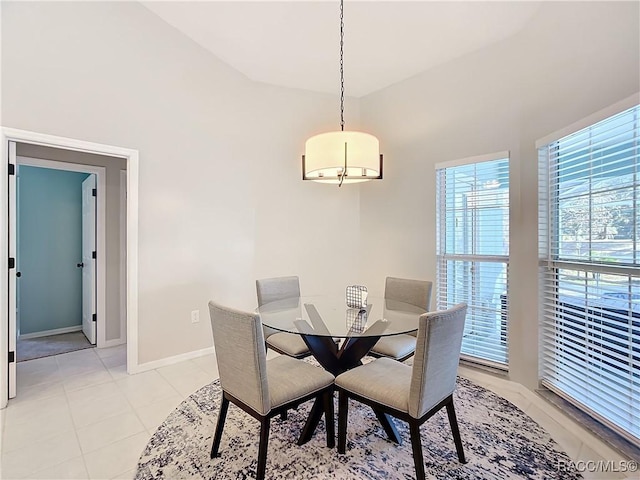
<point>500,442</point>
<point>32,348</point>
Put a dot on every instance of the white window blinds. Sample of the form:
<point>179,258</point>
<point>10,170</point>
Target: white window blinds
<point>590,270</point>
<point>473,251</point>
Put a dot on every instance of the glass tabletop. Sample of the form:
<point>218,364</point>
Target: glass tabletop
<point>326,316</point>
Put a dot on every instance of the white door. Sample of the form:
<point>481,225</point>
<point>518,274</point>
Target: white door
<point>13,332</point>
<point>89,258</point>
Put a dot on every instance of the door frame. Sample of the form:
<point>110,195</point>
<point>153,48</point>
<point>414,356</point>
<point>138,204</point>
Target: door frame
<point>101,231</point>
<point>123,253</point>
<point>131,156</point>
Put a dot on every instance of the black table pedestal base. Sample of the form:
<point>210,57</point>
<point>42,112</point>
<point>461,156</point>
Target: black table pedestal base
<point>336,361</point>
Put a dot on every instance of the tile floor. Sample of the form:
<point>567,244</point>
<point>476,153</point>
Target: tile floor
<point>80,416</point>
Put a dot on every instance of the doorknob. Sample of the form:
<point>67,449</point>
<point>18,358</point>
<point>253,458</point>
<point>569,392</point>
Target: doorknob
<point>80,265</point>
<point>18,274</point>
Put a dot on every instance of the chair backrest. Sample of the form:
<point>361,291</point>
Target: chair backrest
<point>414,292</point>
<point>277,288</point>
<point>435,364</point>
<point>240,351</point>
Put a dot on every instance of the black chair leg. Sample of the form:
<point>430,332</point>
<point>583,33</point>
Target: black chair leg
<point>453,421</point>
<point>224,406</point>
<point>416,445</point>
<point>283,415</point>
<point>343,413</point>
<point>329,419</point>
<point>262,449</point>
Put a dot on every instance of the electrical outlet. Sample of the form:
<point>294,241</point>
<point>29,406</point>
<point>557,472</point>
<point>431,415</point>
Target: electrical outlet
<point>195,316</point>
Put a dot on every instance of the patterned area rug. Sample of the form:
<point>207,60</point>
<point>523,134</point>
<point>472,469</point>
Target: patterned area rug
<point>500,442</point>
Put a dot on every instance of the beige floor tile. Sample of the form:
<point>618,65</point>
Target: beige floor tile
<point>115,360</point>
<point>73,469</point>
<point>93,393</point>
<point>24,434</point>
<point>83,380</point>
<point>130,475</point>
<point>38,392</point>
<point>35,410</point>
<point>37,377</point>
<point>86,414</point>
<point>118,372</point>
<point>38,456</point>
<point>208,363</point>
<point>79,367</point>
<point>78,356</point>
<point>112,351</point>
<point>116,458</point>
<point>37,365</point>
<point>567,441</point>
<point>105,432</point>
<point>186,377</point>
<point>97,403</point>
<point>145,388</point>
<point>594,466</point>
<point>154,414</point>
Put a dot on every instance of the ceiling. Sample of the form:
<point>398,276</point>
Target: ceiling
<point>296,43</point>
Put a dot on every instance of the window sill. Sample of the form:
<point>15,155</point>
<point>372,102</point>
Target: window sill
<point>603,432</point>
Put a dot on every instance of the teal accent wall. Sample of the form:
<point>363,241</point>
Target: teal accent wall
<point>49,245</point>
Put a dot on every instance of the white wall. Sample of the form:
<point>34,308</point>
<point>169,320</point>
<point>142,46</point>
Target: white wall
<point>573,59</point>
<point>221,200</point>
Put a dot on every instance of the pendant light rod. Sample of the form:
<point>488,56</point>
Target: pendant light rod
<point>344,171</point>
<point>342,66</point>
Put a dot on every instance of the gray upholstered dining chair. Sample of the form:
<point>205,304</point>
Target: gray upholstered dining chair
<point>274,289</point>
<point>412,394</point>
<point>415,292</point>
<point>262,388</point>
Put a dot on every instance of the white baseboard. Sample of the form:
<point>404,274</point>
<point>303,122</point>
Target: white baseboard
<point>46,333</point>
<point>164,362</point>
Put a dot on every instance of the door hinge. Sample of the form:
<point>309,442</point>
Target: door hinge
<point>12,263</point>
<point>12,357</point>
<point>94,254</point>
<point>94,192</point>
<point>95,317</point>
<point>12,169</point>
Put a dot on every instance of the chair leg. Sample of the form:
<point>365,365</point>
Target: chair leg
<point>453,421</point>
<point>329,419</point>
<point>416,445</point>
<point>343,413</point>
<point>262,449</point>
<point>283,415</point>
<point>224,406</point>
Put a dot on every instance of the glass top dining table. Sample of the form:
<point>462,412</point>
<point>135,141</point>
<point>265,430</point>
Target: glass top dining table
<point>339,336</point>
<point>327,316</point>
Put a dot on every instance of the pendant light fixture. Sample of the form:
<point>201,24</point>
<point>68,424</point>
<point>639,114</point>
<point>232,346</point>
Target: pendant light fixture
<point>342,156</point>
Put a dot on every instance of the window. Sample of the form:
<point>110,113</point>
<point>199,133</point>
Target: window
<point>590,270</point>
<point>473,251</point>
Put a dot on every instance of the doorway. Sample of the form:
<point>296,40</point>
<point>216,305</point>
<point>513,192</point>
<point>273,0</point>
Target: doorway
<point>11,138</point>
<point>56,228</point>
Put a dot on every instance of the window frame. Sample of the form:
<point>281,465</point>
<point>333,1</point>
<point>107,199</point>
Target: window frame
<point>560,336</point>
<point>443,257</point>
